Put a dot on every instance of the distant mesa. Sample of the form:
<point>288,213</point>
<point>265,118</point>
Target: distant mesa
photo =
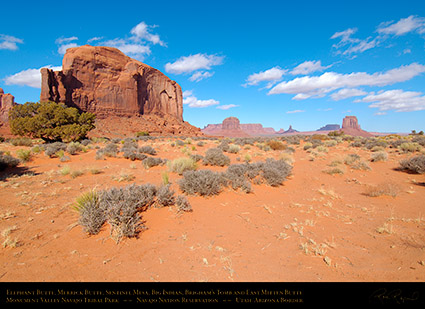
<point>330,127</point>
<point>104,81</point>
<point>231,127</point>
<point>350,126</point>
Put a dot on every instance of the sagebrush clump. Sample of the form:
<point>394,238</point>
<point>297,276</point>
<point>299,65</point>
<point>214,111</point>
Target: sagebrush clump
<point>7,161</point>
<point>414,164</point>
<point>122,208</point>
<point>215,156</point>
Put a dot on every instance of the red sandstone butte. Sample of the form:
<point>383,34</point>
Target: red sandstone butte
<point>104,81</point>
<point>350,126</point>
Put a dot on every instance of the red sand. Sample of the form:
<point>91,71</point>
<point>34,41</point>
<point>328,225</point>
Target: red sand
<point>316,227</point>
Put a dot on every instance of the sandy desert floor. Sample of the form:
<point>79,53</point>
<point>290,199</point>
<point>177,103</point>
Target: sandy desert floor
<point>316,227</point>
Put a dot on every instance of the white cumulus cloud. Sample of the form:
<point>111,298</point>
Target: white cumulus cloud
<point>192,101</point>
<point>346,93</point>
<point>271,75</point>
<point>317,86</point>
<point>308,67</point>
<point>227,106</point>
<point>9,42</point>
<point>397,100</point>
<point>29,77</point>
<point>403,26</point>
<point>142,31</point>
<point>188,64</point>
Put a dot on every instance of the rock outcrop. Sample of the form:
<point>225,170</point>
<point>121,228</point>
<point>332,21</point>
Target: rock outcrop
<point>330,127</point>
<point>7,101</point>
<point>289,131</point>
<point>104,81</point>
<point>231,127</point>
<point>350,126</point>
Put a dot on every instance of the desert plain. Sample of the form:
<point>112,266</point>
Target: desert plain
<point>343,214</point>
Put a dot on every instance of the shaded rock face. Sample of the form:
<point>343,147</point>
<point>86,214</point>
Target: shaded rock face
<point>7,101</point>
<point>104,81</point>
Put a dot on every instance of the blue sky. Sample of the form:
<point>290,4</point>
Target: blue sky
<point>278,63</point>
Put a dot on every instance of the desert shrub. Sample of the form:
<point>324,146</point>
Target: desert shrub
<point>360,164</point>
<point>23,154</point>
<point>276,145</point>
<point>202,182</point>
<point>133,155</point>
<point>330,143</point>
<point>147,150</point>
<point>352,157</point>
<point>151,162</point>
<point>183,204</point>
<point>374,142</point>
<point>65,159</point>
<point>73,147</point>
<point>233,149</point>
<point>142,133</point>
<point>322,149</point>
<point>410,147</point>
<point>200,143</point>
<point>333,171</point>
<point>165,196</point>
<point>275,171</point>
<point>22,141</point>
<point>379,156</point>
<point>336,133</point>
<point>50,121</point>
<point>307,145</point>
<point>321,137</point>
<point>52,149</point>
<point>389,189</point>
<point>179,142</point>
<point>215,156</point>
<point>180,165</point>
<point>420,140</point>
<point>196,157</point>
<point>110,150</point>
<point>414,164</point>
<point>7,161</point>
<point>224,145</point>
<point>85,142</point>
<point>92,214</point>
<point>235,176</point>
<point>122,207</point>
<point>76,173</point>
<point>396,143</point>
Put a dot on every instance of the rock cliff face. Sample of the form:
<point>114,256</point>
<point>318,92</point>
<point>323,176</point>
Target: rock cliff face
<point>350,126</point>
<point>119,90</point>
<point>104,81</point>
<point>7,101</point>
